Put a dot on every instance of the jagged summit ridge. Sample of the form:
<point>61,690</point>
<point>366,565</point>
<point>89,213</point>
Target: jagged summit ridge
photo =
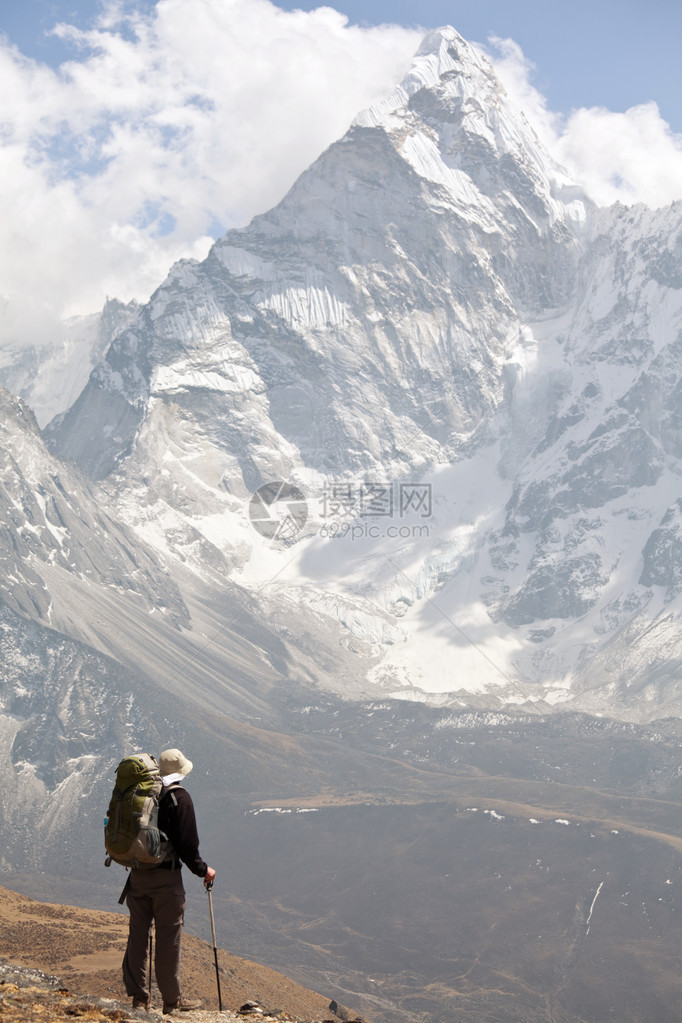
<point>452,101</point>
<point>444,61</point>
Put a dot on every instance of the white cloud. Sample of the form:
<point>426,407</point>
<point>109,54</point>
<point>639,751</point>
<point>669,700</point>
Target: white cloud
<point>625,157</point>
<point>164,128</point>
<point>629,157</point>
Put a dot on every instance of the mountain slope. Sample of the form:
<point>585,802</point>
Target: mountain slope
<point>84,949</point>
<point>49,378</point>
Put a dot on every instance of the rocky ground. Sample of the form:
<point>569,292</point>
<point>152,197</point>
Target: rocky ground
<point>59,963</point>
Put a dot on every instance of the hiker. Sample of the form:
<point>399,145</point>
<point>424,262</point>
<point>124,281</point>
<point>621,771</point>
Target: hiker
<point>158,894</point>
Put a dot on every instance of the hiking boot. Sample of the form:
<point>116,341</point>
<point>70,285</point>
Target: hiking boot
<point>182,1005</point>
<point>141,1003</point>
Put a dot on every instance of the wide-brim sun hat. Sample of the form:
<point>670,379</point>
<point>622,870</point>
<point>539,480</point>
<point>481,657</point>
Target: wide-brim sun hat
<point>172,761</point>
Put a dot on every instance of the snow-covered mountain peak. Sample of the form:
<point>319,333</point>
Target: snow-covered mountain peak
<point>444,57</point>
<point>453,122</point>
<point>389,253</point>
<point>431,305</point>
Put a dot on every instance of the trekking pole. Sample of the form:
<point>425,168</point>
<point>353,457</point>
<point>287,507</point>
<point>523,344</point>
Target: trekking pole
<point>215,950</point>
<point>151,963</point>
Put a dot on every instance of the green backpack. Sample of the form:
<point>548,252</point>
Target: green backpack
<point>131,826</point>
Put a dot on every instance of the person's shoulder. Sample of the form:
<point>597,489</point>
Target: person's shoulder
<point>178,793</point>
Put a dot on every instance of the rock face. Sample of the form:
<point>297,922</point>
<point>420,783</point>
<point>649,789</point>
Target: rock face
<point>49,378</point>
<point>54,523</point>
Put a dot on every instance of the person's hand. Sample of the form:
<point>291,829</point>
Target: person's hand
<point>209,877</point>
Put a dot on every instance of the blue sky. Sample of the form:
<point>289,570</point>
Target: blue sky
<point>612,53</point>
<point>134,132</point>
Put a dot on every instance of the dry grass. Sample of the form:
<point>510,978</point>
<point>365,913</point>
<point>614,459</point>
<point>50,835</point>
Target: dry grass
<point>69,967</point>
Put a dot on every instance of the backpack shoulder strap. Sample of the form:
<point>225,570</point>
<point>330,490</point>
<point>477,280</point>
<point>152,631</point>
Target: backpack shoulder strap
<point>169,793</point>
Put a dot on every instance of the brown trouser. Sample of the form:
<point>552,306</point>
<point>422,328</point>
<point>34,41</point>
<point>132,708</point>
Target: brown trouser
<point>154,895</point>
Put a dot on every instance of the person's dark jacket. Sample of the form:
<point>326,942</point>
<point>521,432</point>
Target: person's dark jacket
<point>177,820</point>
